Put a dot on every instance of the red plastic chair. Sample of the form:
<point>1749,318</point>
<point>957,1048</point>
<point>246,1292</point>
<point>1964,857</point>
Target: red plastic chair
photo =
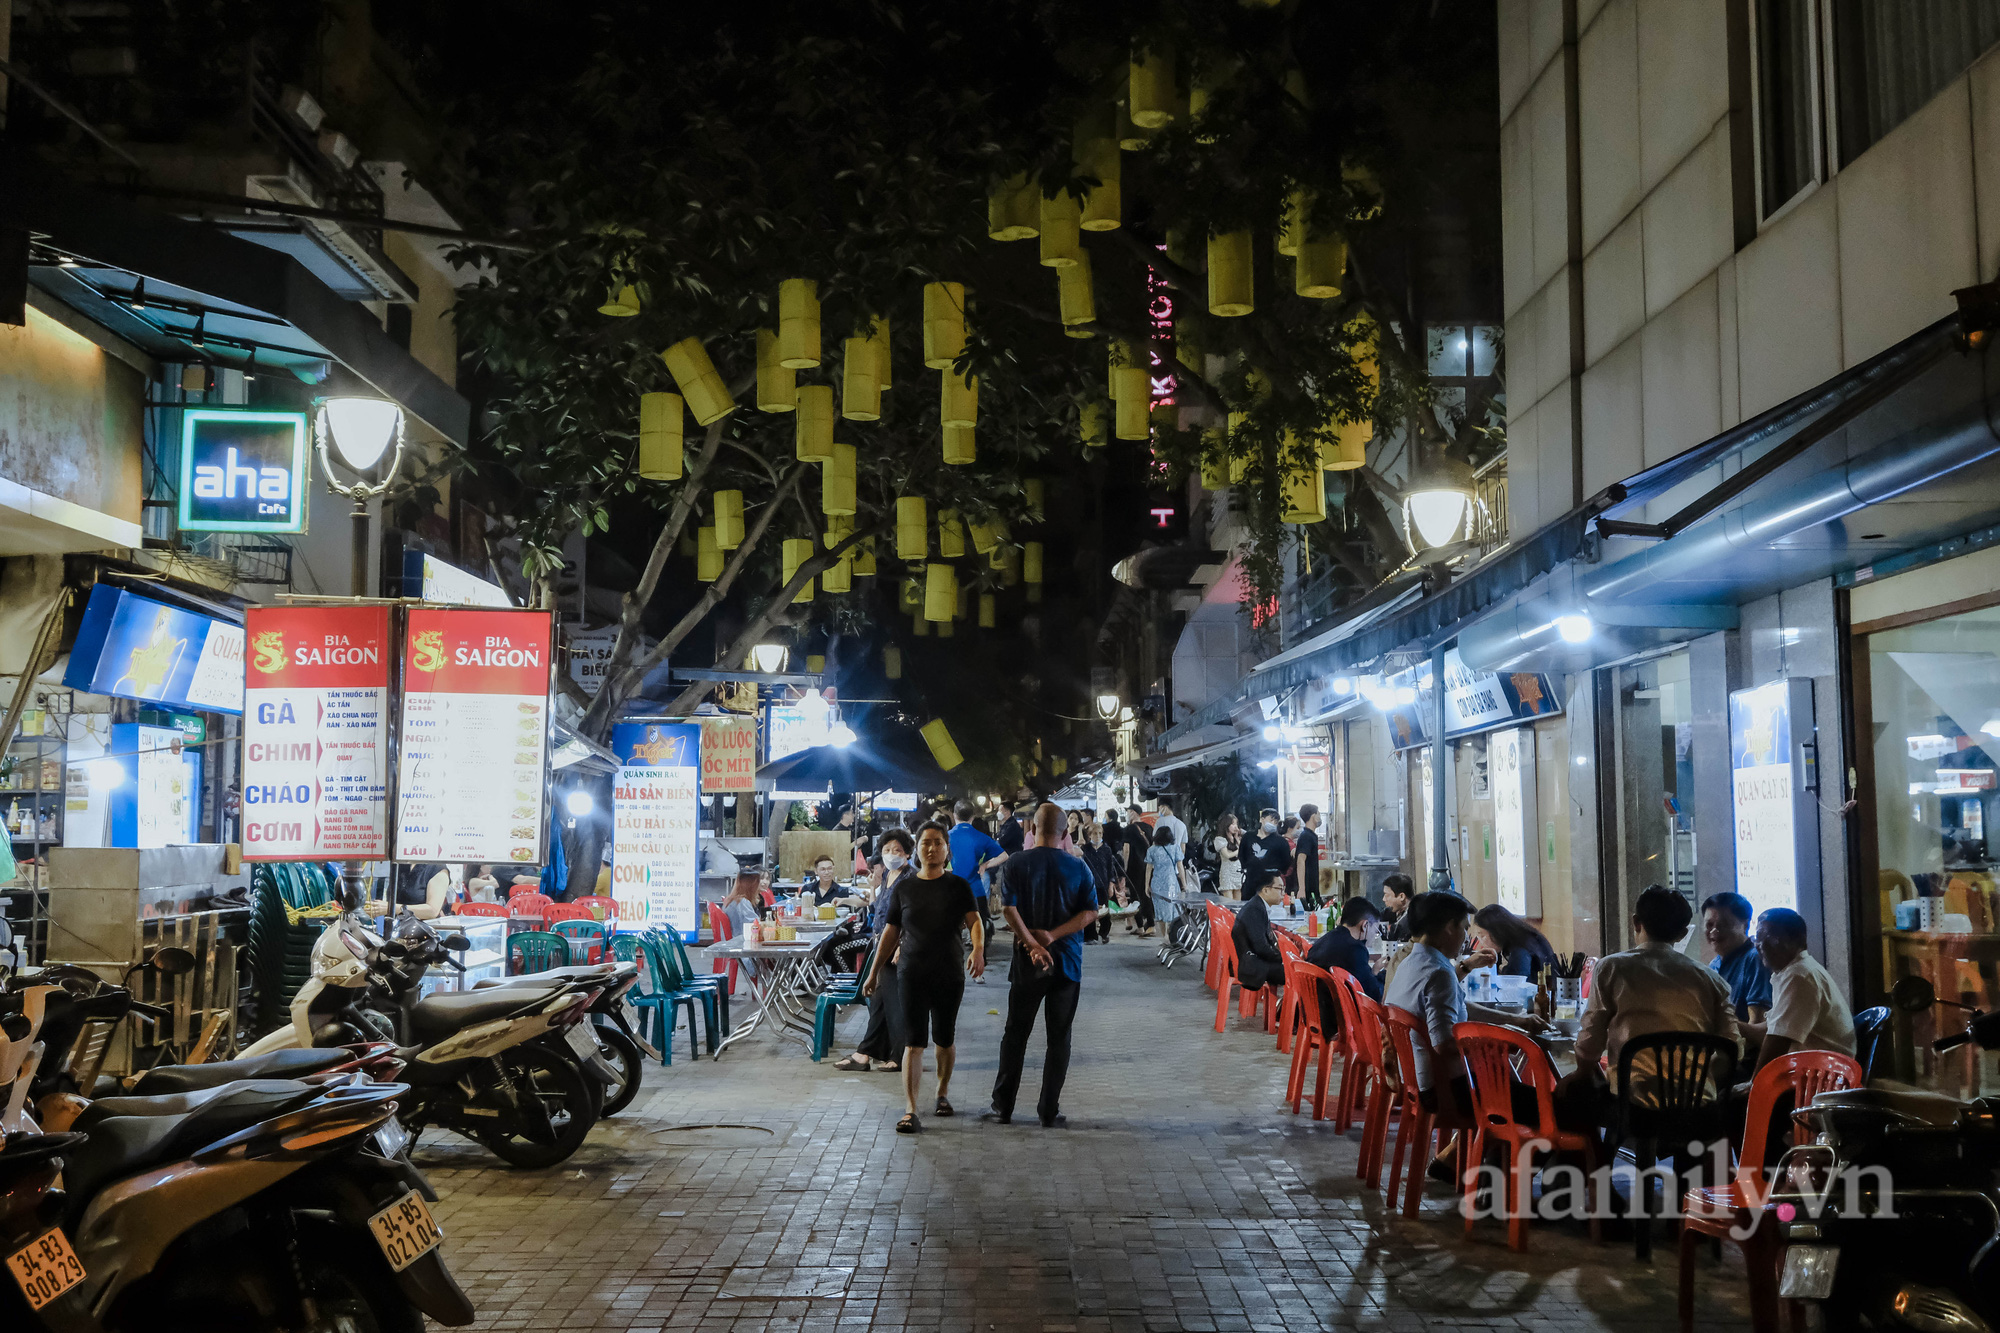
<point>1490,1060</point>
<point>1293,952</point>
<point>1354,1072</point>
<point>481,909</point>
<point>721,928</point>
<point>1714,1211</point>
<point>1222,952</point>
<point>1365,1045</point>
<point>601,907</point>
<point>1417,1127</point>
<point>1219,922</point>
<point>1311,1036</point>
<point>529,906</point>
<point>568,912</point>
<point>516,890</point>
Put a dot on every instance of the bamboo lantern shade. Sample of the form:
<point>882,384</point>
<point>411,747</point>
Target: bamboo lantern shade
<point>864,559</point>
<point>707,396</point>
<point>1133,419</point>
<point>777,384</point>
<point>1150,92</point>
<point>958,403</point>
<point>1129,377</point>
<point>707,555</point>
<point>960,445</point>
<point>944,323</point>
<point>1094,424</point>
<point>1305,496</point>
<point>660,426</point>
<point>985,535</point>
<point>1187,345</point>
<point>622,302</point>
<point>943,748</point>
<point>919,626</point>
<point>798,550</point>
<point>892,661</point>
<point>1239,463</point>
<point>798,323</point>
<point>1031,562</point>
<point>1365,349</point>
<point>964,611</point>
<point>728,520</point>
<point>944,629</point>
<point>1321,268</point>
<point>1292,222</point>
<point>1077,330</point>
<point>1010,565</point>
<point>860,380</point>
<point>1035,492</point>
<point>1011,213</point>
<point>1094,152</point>
<point>1232,287</point>
<point>836,577</point>
<point>1349,446</point>
<point>1076,297</point>
<point>815,663</point>
<point>940,592</point>
<point>1061,240</point>
<point>951,534</point>
<point>878,338</point>
<point>813,426</point>
<point>1034,594</point>
<point>836,482</point>
<point>989,610</point>
<point>1130,137</point>
<point>838,527</point>
<point>912,528</point>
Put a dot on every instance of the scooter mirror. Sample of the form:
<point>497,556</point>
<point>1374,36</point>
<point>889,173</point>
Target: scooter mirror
<point>456,943</point>
<point>395,949</point>
<point>1913,995</point>
<point>172,960</point>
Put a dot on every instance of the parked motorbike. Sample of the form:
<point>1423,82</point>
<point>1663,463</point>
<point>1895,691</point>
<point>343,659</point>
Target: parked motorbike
<point>1890,1202</point>
<point>618,1043</point>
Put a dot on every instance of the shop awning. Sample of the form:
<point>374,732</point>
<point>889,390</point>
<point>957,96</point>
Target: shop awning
<point>1198,754</point>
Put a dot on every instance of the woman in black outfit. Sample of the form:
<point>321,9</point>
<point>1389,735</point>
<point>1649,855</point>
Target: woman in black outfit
<point>1104,865</point>
<point>882,1044</point>
<point>926,912</point>
<point>1258,962</point>
<point>1520,949</point>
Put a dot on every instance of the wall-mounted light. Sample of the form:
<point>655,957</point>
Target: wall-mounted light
<point>1342,685</point>
<point>579,803</point>
<point>1573,628</point>
<point>768,658</point>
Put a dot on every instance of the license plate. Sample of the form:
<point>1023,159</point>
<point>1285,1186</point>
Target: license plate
<point>579,1039</point>
<point>45,1268</point>
<point>1808,1272</point>
<point>405,1232</point>
<point>391,1139</point>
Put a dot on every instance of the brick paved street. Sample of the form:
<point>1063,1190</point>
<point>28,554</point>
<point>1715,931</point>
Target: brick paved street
<point>766,1192</point>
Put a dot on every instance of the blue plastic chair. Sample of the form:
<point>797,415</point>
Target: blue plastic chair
<point>680,976</point>
<point>694,980</point>
<point>655,997</point>
<point>838,995</point>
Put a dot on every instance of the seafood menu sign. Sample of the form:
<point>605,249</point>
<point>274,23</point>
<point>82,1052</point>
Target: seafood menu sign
<point>658,800</point>
<point>316,733</point>
<point>470,773</point>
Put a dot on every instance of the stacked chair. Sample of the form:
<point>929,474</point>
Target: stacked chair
<point>837,994</point>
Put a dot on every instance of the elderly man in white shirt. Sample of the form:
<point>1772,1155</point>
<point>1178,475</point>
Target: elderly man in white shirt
<point>1808,1012</point>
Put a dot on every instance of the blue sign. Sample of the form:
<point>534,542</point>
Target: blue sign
<point>242,471</point>
<point>657,745</point>
<point>136,648</point>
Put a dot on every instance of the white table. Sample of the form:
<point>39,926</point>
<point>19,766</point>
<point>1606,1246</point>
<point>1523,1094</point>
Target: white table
<point>780,974</point>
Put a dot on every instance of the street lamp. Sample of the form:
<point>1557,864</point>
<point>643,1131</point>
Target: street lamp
<point>360,431</point>
<point>768,658</point>
<point>1104,685</point>
<point>1438,507</point>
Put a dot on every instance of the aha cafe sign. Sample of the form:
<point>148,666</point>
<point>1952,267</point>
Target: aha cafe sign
<point>242,471</point>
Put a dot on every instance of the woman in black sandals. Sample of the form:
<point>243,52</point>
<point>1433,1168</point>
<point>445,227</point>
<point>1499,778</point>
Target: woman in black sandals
<point>882,1044</point>
<point>920,929</point>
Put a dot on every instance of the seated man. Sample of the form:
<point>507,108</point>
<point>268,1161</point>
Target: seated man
<point>1258,962</point>
<point>1808,1012</point>
<point>1346,947</point>
<point>1725,923</point>
<point>1396,895</point>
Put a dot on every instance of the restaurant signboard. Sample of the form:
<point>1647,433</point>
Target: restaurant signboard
<point>657,802</point>
<point>133,647</point>
<point>728,754</point>
<point>1777,835</point>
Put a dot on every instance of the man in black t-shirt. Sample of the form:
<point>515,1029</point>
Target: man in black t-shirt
<point>1306,857</point>
<point>1267,854</point>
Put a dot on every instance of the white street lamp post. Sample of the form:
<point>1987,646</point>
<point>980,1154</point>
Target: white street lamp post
<point>360,431</point>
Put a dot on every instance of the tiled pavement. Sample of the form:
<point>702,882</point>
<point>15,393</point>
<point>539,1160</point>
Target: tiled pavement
<point>763,1191</point>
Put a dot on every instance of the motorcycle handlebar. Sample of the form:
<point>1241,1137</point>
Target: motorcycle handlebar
<point>1952,1042</point>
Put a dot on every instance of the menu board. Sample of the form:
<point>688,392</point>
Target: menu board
<point>653,851</point>
<point>471,776</point>
<point>728,754</point>
<point>316,733</point>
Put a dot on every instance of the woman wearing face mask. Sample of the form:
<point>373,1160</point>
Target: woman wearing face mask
<point>881,1045</point>
<point>1228,844</point>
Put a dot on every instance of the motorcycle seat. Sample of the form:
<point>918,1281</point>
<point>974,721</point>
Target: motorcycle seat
<point>580,972</point>
<point>126,1135</point>
<point>446,1013</point>
<point>1927,1108</point>
<point>296,1063</point>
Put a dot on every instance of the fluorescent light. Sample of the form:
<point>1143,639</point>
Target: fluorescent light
<point>580,803</point>
<point>1573,628</point>
<point>1342,685</point>
<point>107,774</point>
<point>1273,732</point>
<point>362,428</point>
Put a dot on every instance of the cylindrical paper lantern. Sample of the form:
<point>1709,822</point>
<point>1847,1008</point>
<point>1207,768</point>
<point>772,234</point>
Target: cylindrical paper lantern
<point>1151,94</point>
<point>985,534</point>
<point>660,426</point>
<point>1231,283</point>
<point>864,559</point>
<point>707,396</point>
<point>1292,221</point>
<point>1304,498</point>
<point>1131,137</point>
<point>1364,346</point>
<point>878,338</point>
<point>1349,446</point>
<point>836,577</point>
<point>958,405</point>
<point>942,747</point>
<point>815,663</point>
<point>838,526</point>
<point>1060,241</point>
<point>1009,565</point>
<point>1239,459</point>
<point>1187,345</point>
<point>964,611</point>
<point>989,610</point>
<point>1321,268</point>
<point>777,386</point>
<point>940,592</point>
<point>813,426</point>
<point>944,629</point>
<point>1011,213</point>
<point>951,534</point>
<point>707,555</point>
<point>1094,424</point>
<point>1094,152</point>
<point>910,597</point>
<point>728,519</point>
<point>798,550</point>
<point>1031,562</point>
<point>912,528</point>
<point>1130,376</point>
<point>1033,490</point>
<point>836,481</point>
<point>1034,594</point>
<point>860,381</point>
<point>620,301</point>
<point>960,445</point>
<point>1214,460</point>
<point>919,626</point>
<point>944,323</point>
<point>798,323</point>
<point>892,661</point>
<point>1076,297</point>
<point>1133,420</point>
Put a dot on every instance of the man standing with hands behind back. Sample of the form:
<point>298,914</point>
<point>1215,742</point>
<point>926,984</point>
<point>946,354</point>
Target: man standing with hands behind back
<point>1050,900</point>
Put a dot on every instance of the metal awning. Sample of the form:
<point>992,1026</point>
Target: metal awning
<point>1199,754</point>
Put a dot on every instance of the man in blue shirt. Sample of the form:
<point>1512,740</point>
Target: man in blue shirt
<point>1050,900</point>
<point>1725,923</point>
<point>1346,947</point>
<point>973,857</point>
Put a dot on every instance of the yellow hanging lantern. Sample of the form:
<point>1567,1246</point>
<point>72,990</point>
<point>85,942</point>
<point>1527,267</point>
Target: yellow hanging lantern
<point>1321,268</point>
<point>919,626</point>
<point>1010,565</point>
<point>985,535</point>
<point>912,528</point>
<point>1365,337</point>
<point>1133,419</point>
<point>621,301</point>
<point>798,323</point>
<point>1239,463</point>
<point>1094,423</point>
<point>892,661</point>
<point>813,426</point>
<point>1011,214</point>
<point>1231,282</point>
<point>940,592</point>
<point>660,426</point>
<point>707,396</point>
<point>707,555</point>
<point>951,534</point>
<point>798,550</point>
<point>964,610</point>
<point>958,405</point>
<point>1034,594</point>
<point>1131,137</point>
<point>960,446</point>
<point>860,380</point>
<point>1094,152</point>
<point>838,526</point>
<point>836,481</point>
<point>777,386</point>
<point>1151,92</point>
<point>1292,222</point>
<point>911,596</point>
<point>1076,297</point>
<point>1061,241</point>
<point>878,340</point>
<point>989,610</point>
<point>944,629</point>
<point>864,559</point>
<point>944,323</point>
<point>728,520</point>
<point>942,747</point>
<point>1187,345</point>
<point>1304,498</point>
<point>1348,448</point>
<point>1031,562</point>
<point>815,663</point>
<point>1130,376</point>
<point>836,577</point>
<point>1033,490</point>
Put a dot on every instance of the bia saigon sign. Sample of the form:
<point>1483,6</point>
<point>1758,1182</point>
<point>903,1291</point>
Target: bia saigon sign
<point>242,471</point>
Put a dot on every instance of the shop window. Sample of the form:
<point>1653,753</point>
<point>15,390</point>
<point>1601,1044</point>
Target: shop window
<point>1891,56</point>
<point>1788,121</point>
<point>1655,781</point>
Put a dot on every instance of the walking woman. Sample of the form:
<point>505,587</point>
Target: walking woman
<point>926,912</point>
<point>881,1048</point>
<point>1228,844</point>
<point>1156,902</point>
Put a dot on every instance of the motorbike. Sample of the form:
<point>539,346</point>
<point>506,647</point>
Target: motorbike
<point>254,1204</point>
<point>618,1043</point>
<point>1889,1202</point>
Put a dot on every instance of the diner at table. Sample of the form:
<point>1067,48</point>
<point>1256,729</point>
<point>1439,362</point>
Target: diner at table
<point>1725,924</point>
<point>1258,962</point>
<point>1346,946</point>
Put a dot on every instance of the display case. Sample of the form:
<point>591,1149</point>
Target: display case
<point>485,956</point>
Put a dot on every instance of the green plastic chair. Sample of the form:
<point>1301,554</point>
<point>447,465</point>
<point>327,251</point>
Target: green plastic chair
<point>668,994</point>
<point>680,977</point>
<point>531,951</point>
<point>691,979</point>
<point>839,993</point>
<point>585,938</point>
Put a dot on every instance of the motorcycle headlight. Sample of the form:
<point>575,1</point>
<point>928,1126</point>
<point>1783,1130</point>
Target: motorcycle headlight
<point>1931,1310</point>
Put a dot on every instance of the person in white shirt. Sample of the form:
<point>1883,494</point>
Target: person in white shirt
<point>1166,819</point>
<point>1808,1012</point>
